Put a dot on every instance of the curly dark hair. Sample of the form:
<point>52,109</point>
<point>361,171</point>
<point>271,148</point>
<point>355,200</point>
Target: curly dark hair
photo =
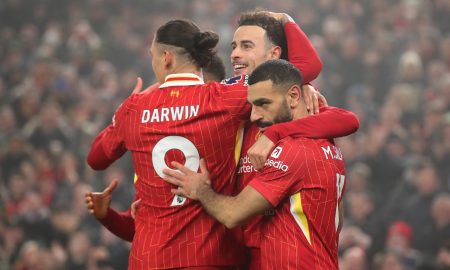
<point>274,28</point>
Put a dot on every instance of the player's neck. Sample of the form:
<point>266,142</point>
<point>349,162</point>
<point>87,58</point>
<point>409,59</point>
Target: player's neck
<point>299,112</point>
<point>187,68</point>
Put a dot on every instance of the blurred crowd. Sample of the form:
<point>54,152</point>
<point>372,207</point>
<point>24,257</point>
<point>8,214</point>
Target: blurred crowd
<point>65,66</point>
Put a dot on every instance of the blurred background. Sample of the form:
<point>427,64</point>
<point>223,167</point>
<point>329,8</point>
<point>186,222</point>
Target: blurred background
<point>65,67</point>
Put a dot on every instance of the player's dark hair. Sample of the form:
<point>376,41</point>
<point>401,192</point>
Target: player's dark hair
<point>215,70</point>
<point>274,28</point>
<point>279,71</point>
<point>185,34</point>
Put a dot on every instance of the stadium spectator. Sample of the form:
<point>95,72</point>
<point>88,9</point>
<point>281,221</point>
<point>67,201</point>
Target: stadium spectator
<point>37,32</point>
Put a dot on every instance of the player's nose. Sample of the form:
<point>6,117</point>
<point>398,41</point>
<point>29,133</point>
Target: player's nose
<point>235,54</point>
<point>255,116</point>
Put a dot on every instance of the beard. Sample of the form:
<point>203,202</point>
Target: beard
<point>263,124</point>
<point>284,115</point>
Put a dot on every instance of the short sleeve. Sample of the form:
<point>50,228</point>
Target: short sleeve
<point>109,144</point>
<point>233,94</point>
<point>282,173</point>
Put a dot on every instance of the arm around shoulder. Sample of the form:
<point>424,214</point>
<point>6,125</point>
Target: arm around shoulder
<point>234,211</point>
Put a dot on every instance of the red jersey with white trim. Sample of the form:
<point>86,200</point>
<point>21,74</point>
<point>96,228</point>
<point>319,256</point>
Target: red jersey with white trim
<point>183,120</point>
<point>330,122</point>
<point>304,180</point>
<point>302,54</point>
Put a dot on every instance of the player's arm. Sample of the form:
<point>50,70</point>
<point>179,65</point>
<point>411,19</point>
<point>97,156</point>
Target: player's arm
<point>330,123</point>
<point>304,56</point>
<point>230,211</point>
<point>106,148</point>
<point>232,94</point>
<point>301,51</point>
<point>108,145</point>
<point>119,223</point>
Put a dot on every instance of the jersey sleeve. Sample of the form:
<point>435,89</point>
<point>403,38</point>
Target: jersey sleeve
<point>233,94</point>
<point>329,123</point>
<point>120,224</point>
<point>301,52</point>
<point>281,174</point>
<point>109,145</point>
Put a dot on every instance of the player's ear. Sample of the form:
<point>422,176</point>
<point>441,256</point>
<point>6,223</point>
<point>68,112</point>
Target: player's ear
<point>294,95</point>
<point>275,52</point>
<point>168,59</point>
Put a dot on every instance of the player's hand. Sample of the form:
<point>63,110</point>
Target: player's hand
<point>134,207</point>
<point>259,152</point>
<point>313,99</point>
<point>137,89</point>
<point>189,183</point>
<point>98,202</point>
<point>282,17</point>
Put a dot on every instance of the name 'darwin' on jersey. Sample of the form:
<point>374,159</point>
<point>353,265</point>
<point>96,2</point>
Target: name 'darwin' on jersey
<point>169,114</point>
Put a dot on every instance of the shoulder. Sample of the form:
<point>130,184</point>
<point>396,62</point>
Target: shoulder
<point>292,145</point>
<point>305,142</point>
<point>236,83</point>
<point>292,149</point>
<point>243,79</point>
<point>285,154</point>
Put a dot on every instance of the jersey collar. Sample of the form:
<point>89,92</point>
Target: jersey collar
<point>182,79</point>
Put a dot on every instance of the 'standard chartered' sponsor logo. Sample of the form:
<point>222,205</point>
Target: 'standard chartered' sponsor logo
<point>245,166</point>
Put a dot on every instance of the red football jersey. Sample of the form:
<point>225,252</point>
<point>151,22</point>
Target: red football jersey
<point>304,180</point>
<point>331,122</point>
<point>183,120</point>
<point>244,174</point>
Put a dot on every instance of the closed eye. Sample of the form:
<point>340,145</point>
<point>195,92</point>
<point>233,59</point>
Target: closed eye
<point>262,102</point>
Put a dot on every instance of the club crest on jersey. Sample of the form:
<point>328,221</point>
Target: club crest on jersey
<point>276,152</point>
<point>235,80</point>
<point>175,93</point>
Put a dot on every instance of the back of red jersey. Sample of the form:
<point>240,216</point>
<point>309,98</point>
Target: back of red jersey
<point>184,120</point>
<point>303,179</point>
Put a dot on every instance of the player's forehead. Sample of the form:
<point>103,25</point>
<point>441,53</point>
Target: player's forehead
<point>261,89</point>
<point>251,33</point>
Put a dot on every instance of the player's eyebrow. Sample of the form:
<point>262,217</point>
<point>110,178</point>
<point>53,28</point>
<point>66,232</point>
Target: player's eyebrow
<point>247,42</point>
<point>261,101</point>
<point>243,42</point>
